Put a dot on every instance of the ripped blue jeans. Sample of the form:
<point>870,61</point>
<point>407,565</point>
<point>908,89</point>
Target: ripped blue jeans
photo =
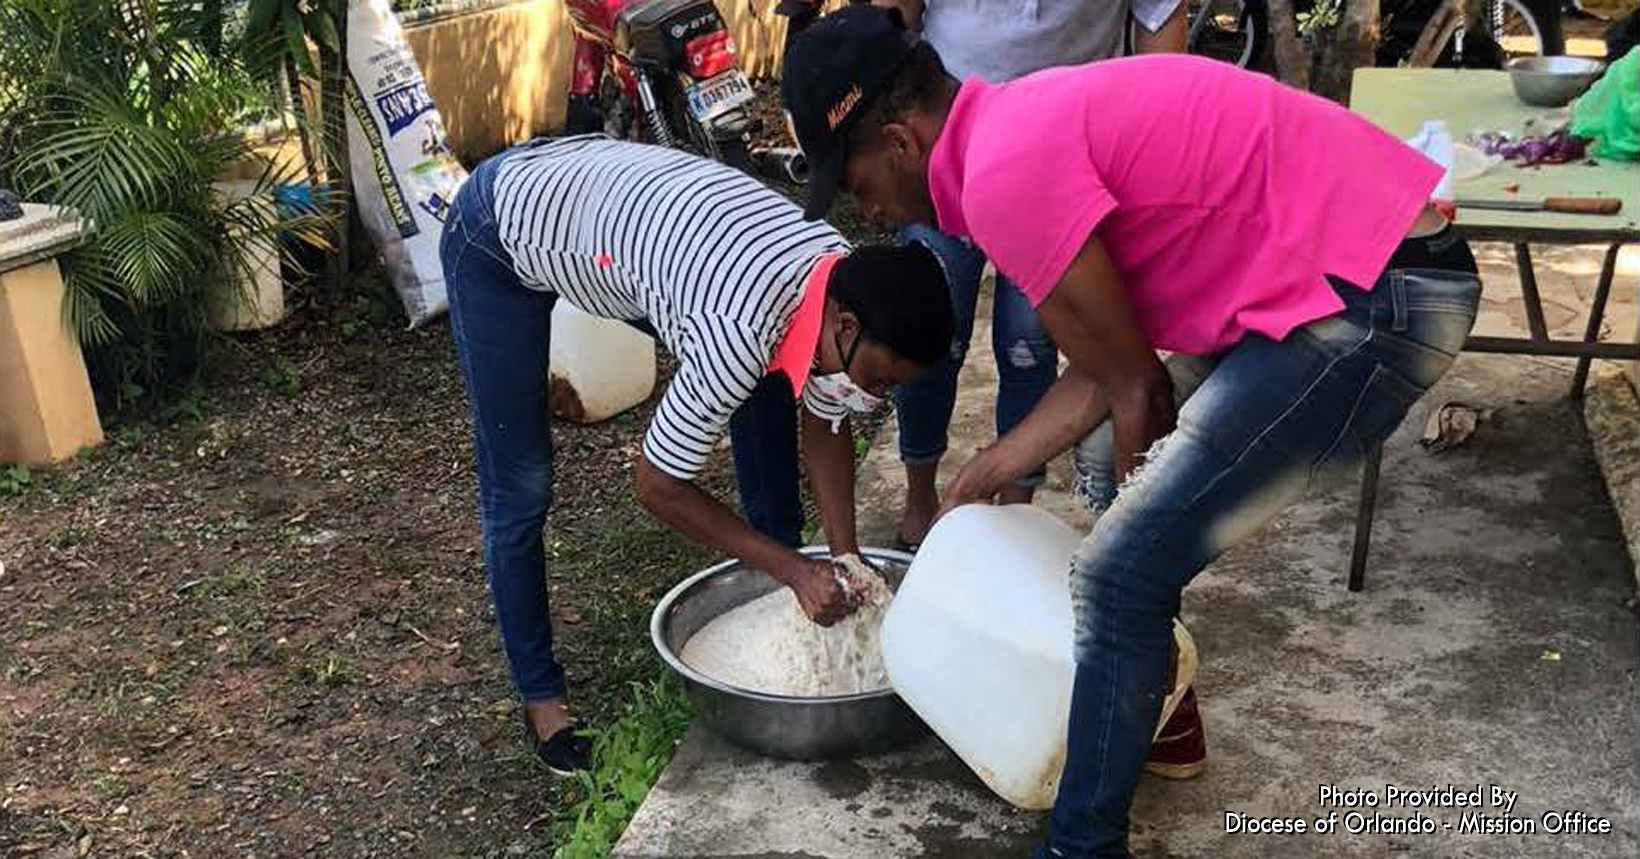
<point>1027,362</point>
<point>1259,424</point>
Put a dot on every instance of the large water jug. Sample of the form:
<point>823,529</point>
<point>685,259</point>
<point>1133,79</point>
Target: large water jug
<point>978,643</point>
<point>599,367</point>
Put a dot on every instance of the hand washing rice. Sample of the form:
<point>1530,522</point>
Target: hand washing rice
<point>769,645</point>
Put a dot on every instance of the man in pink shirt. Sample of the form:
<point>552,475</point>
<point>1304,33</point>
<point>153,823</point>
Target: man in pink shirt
<point>1280,247</point>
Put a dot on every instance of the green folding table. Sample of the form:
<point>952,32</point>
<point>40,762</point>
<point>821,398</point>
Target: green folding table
<point>1400,101</point>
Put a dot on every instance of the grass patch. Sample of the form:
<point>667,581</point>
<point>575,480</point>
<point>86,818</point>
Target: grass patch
<point>627,758</point>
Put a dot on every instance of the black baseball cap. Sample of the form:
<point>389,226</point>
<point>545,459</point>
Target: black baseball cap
<point>833,71</point>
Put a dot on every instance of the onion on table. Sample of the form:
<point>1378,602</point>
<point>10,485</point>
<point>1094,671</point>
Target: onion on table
<point>1556,147</point>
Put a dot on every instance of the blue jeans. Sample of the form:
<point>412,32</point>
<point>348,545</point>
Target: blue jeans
<point>501,330</point>
<point>1260,423</point>
<point>1027,362</point>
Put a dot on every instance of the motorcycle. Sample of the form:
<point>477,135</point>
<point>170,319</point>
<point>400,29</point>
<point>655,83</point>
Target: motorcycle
<point>674,70</point>
<point>1238,31</point>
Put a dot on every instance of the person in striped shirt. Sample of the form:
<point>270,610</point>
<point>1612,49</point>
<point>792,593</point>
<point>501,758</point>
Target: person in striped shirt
<point>761,308</point>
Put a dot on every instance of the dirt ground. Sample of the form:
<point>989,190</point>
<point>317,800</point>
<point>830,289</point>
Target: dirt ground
<point>265,631</point>
<point>261,628</point>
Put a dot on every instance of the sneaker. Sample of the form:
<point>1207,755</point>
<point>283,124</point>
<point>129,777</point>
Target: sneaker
<point>1180,749</point>
<point>565,753</point>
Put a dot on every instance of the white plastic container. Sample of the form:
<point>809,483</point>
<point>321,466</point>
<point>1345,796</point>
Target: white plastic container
<point>978,643</point>
<point>1435,141</point>
<point>598,367</point>
<point>253,297</point>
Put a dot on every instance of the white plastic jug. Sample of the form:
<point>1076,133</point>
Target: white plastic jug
<point>599,367</point>
<point>253,296</point>
<point>978,642</point>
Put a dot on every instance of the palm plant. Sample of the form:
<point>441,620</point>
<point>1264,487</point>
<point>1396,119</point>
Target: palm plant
<point>287,43</point>
<point>128,111</point>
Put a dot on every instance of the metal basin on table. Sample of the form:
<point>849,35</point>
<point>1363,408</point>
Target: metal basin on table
<point>828,728</point>
<point>1552,81</point>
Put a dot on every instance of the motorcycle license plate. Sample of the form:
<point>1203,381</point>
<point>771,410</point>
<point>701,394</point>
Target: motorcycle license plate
<point>712,98</point>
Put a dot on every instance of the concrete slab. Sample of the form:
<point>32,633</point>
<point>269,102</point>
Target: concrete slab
<point>1612,414</point>
<point>1491,646</point>
<point>1566,279</point>
<point>41,233</point>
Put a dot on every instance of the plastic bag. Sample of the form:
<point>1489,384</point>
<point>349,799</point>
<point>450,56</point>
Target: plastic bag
<point>1435,142</point>
<point>1610,110</point>
<point>404,176</point>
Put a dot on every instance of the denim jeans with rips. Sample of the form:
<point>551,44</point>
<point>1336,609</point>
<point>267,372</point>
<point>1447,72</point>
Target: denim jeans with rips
<point>1259,424</point>
<point>1027,362</point>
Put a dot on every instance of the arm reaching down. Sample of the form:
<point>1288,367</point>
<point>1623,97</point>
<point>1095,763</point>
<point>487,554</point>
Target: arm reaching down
<point>829,457</point>
<point>1067,412</point>
<point>1091,318</point>
<point>1113,372</point>
<point>718,369</point>
<point>691,512</point>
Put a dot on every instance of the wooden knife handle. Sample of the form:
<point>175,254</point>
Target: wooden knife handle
<point>1583,205</point>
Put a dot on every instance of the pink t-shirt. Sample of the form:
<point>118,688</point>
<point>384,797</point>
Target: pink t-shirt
<point>1222,196</point>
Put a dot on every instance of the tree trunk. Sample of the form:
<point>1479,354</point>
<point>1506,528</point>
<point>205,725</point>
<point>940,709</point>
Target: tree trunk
<point>1292,58</point>
<point>304,125</point>
<point>1354,47</point>
<point>333,73</point>
<point>1436,34</point>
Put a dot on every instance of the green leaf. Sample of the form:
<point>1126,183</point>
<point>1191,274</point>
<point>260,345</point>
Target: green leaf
<point>296,41</point>
<point>259,16</point>
<point>322,27</point>
<point>99,156</point>
<point>89,287</point>
<point>155,254</point>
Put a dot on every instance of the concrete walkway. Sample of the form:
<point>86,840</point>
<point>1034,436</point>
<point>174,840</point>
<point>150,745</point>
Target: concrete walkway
<point>1491,646</point>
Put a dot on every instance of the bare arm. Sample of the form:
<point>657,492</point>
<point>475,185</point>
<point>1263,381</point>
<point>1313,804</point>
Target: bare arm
<point>1091,318</point>
<point>1170,38</point>
<point>689,511</point>
<point>830,460</point>
<point>1067,412</point>
<point>1113,371</point>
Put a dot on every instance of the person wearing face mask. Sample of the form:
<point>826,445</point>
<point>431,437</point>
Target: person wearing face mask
<point>762,309</point>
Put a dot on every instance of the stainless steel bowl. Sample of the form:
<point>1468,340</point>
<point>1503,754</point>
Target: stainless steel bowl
<point>807,729</point>
<point>1552,81</point>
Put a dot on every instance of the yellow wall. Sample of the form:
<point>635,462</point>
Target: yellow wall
<point>498,76</point>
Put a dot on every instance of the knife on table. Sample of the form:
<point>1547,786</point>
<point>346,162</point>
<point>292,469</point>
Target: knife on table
<point>1568,205</point>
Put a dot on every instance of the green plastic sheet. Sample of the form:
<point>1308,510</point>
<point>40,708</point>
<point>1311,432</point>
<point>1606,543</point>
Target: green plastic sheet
<point>1610,110</point>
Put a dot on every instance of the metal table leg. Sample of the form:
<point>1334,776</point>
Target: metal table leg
<point>1597,314</point>
<point>1529,292</point>
<point>1363,516</point>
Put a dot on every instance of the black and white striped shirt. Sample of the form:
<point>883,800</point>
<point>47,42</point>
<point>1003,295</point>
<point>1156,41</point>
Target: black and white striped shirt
<point>712,258</point>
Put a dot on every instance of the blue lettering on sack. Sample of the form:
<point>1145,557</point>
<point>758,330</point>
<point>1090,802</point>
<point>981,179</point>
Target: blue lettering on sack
<point>400,107</point>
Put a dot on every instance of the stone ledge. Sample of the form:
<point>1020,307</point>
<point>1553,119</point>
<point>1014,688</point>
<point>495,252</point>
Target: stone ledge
<point>1612,414</point>
<point>42,233</point>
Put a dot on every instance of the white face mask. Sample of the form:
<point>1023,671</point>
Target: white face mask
<point>838,387</point>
